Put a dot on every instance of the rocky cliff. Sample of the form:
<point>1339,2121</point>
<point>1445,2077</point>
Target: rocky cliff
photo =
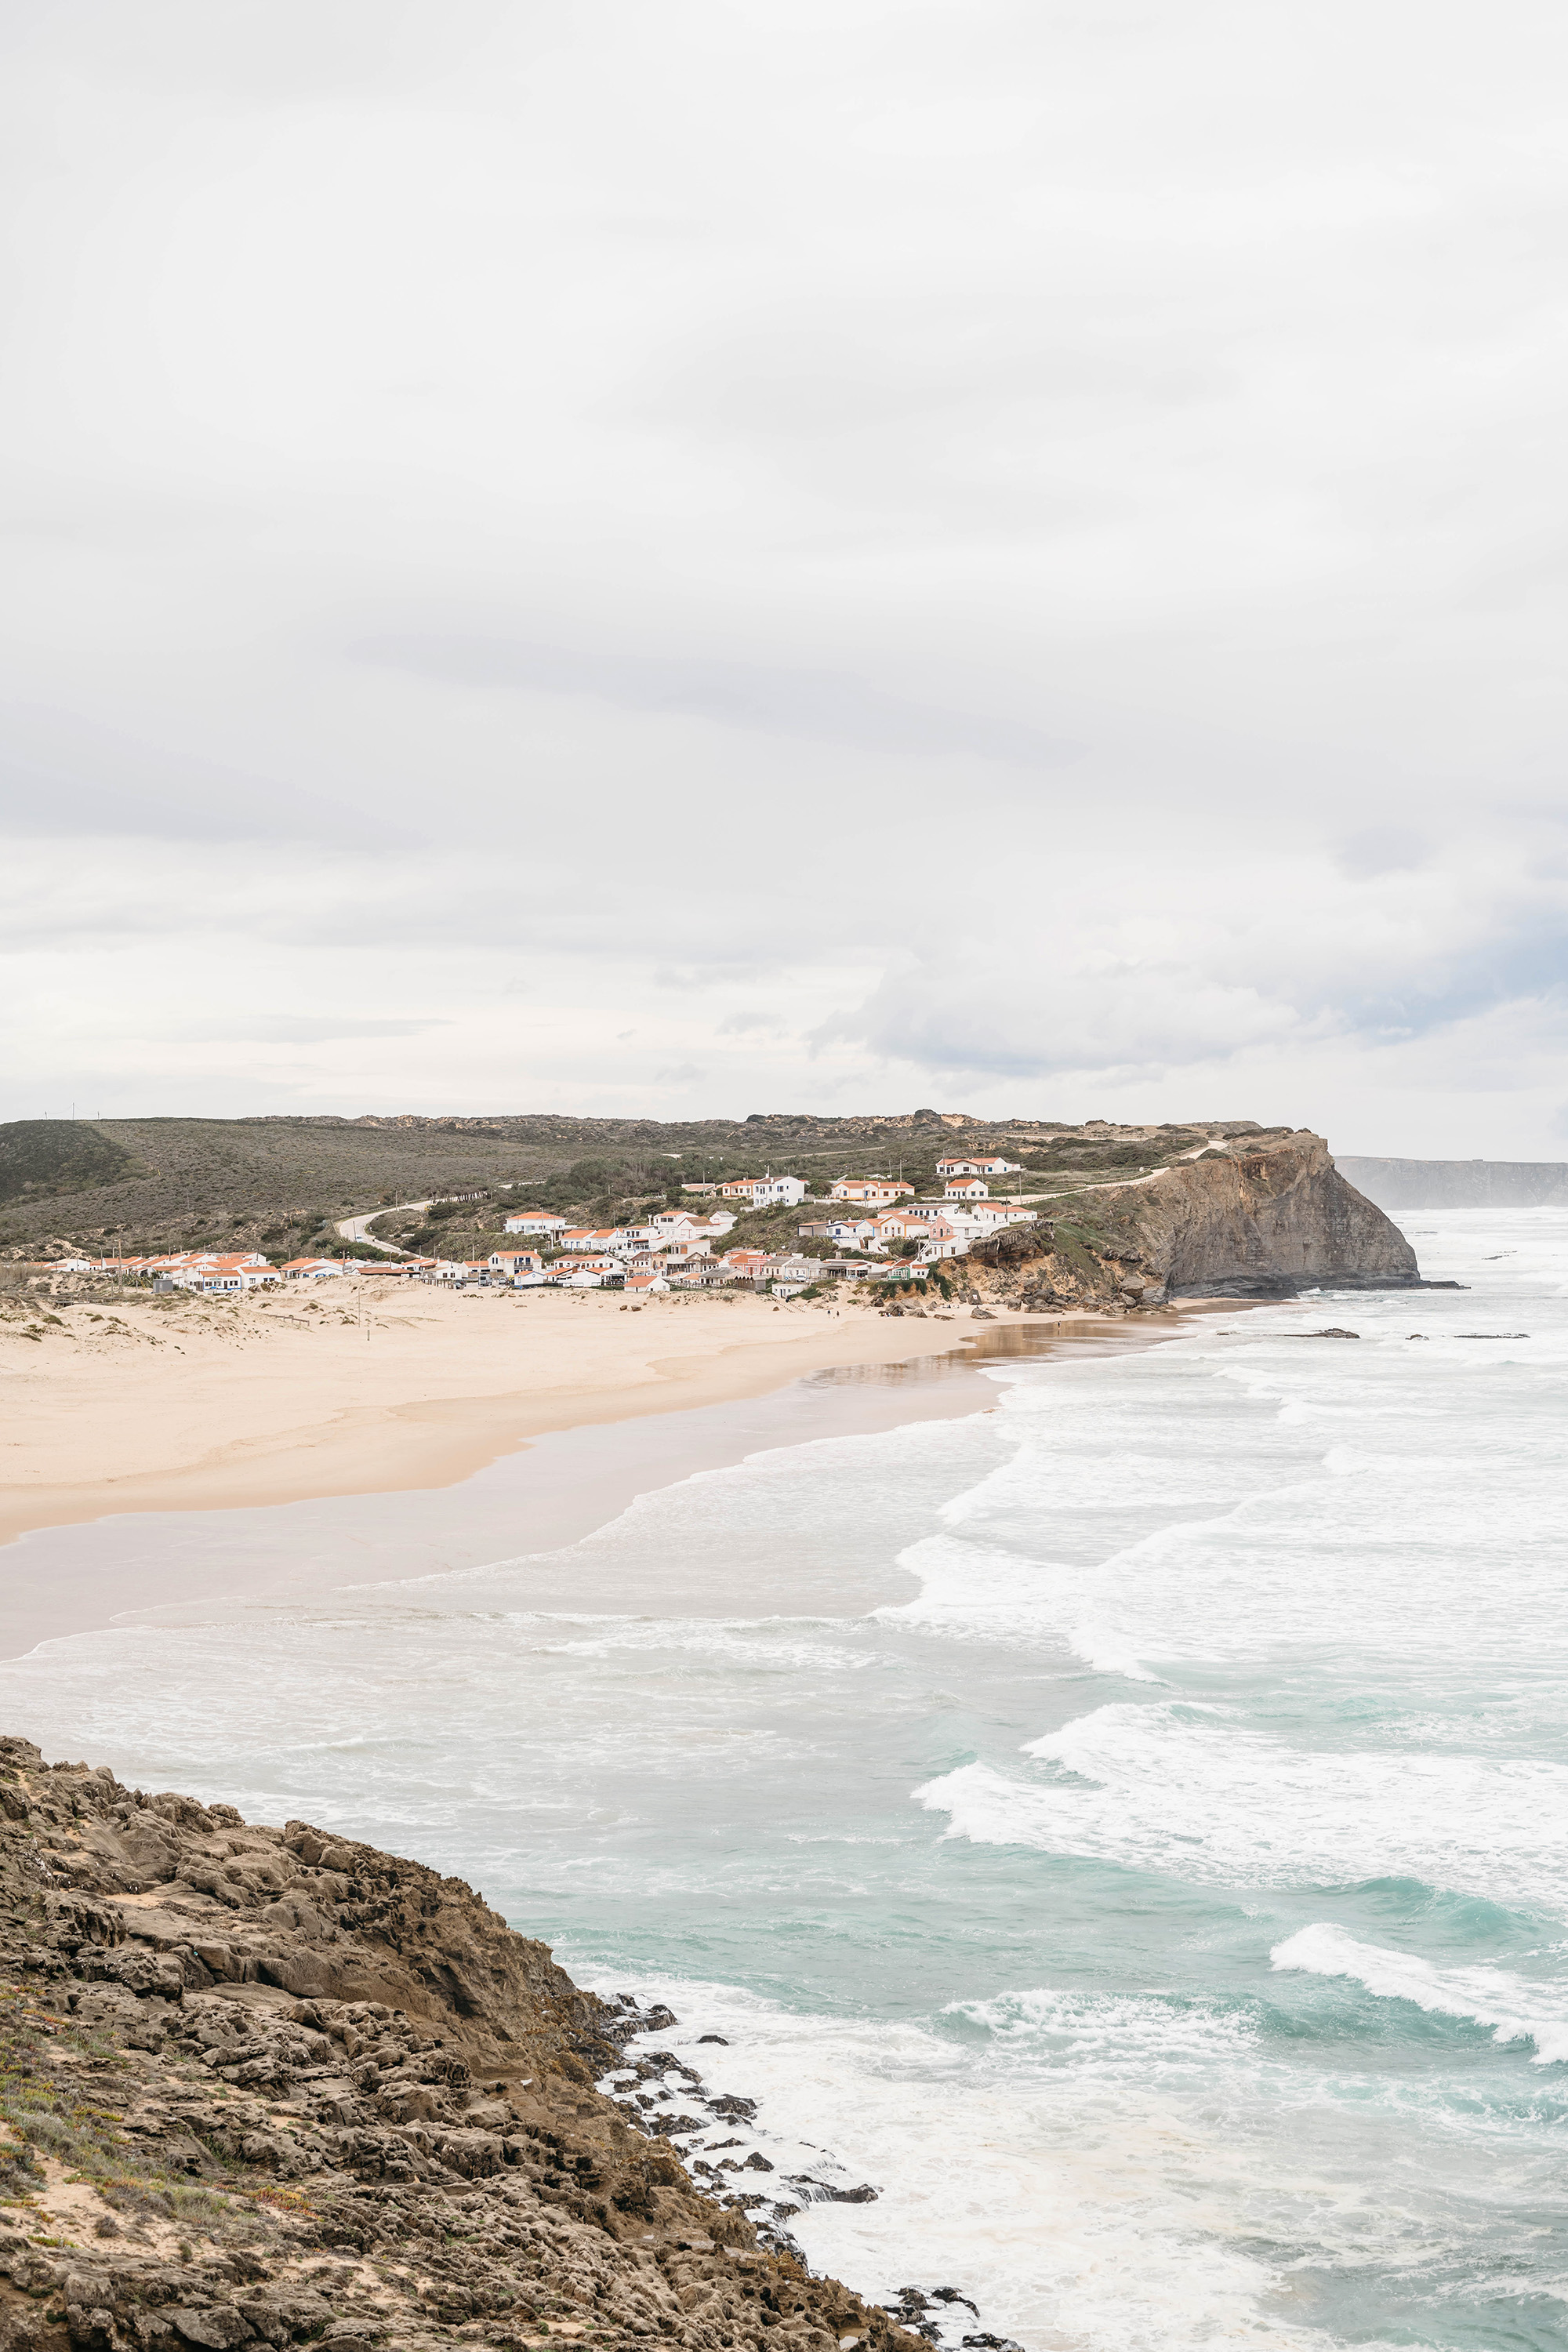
<point>1260,1216</point>
<point>270,2086</point>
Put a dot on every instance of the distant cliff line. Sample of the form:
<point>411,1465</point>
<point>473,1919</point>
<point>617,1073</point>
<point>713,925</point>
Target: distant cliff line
<point>1395,1184</point>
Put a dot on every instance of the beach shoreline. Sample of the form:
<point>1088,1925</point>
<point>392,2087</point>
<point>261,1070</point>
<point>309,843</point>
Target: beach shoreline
<point>228,1405</point>
<point>265,1536</point>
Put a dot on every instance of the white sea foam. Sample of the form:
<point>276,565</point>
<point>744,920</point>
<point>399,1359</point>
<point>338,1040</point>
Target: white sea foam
<point>1109,1649</point>
<point>1159,1500</point>
<point>977,1592</point>
<point>1062,2163</point>
<point>1518,2009</point>
<point>1135,2036</point>
<point>1194,1793</point>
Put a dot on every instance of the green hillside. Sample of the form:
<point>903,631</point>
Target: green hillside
<point>279,1184</point>
<point>47,1158</point>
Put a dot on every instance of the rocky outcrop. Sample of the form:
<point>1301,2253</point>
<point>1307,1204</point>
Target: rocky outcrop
<point>270,2086</point>
<point>1261,1216</point>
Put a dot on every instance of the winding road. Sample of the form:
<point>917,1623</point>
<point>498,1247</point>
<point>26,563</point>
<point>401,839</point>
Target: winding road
<point>356,1229</point>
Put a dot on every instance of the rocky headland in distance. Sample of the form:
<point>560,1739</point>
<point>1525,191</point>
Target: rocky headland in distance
<point>1261,1215</point>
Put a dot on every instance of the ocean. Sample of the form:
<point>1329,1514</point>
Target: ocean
<point>1125,1826</point>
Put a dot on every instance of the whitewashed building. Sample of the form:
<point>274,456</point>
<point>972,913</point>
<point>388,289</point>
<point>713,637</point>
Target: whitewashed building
<point>871,1191</point>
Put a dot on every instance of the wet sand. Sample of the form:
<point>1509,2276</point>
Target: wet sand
<point>111,1406</point>
<point>186,1563</point>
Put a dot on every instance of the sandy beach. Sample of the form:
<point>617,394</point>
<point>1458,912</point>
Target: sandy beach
<point>204,1405</point>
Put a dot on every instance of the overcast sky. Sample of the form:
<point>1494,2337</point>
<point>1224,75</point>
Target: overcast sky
<point>826,555</point>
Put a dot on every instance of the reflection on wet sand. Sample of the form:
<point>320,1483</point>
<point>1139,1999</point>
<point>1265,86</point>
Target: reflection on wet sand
<point>551,1492</point>
<point>993,1345</point>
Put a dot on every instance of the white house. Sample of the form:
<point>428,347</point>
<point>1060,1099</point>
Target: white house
<point>979,1168</point>
<point>314,1269</point>
<point>515,1261</point>
<point>964,1217</point>
<point>700,1274</point>
<point>221,1271</point>
<point>685,1224</point>
<point>791,1273</point>
<point>844,1233</point>
<point>583,1273</point>
<point>226,1278</point>
<point>871,1191</point>
<point>766,1192</point>
<point>967,1188</point>
<point>680,1253</point>
<point>535,1221</point>
<point>903,1225</point>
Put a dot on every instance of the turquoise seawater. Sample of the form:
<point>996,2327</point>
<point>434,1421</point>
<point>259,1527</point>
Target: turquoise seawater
<point>1126,1826</point>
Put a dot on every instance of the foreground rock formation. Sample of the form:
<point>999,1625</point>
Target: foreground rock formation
<point>269,2086</point>
<point>1259,1216</point>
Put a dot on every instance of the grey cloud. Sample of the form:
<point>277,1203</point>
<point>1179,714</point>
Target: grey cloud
<point>677,1074</point>
<point>283,1029</point>
<point>61,775</point>
<point>1120,1021</point>
<point>814,505</point>
<point>944,1043</point>
<point>1382,849</point>
<point>1508,968</point>
<point>746,1024</point>
<point>329,898</point>
<point>822,705</point>
<point>719,966</point>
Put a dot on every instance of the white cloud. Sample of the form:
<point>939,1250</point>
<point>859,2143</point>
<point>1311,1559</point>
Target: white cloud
<point>1026,542</point>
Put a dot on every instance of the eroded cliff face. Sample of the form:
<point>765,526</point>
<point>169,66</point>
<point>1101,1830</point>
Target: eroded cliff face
<point>1263,1217</point>
<point>269,2086</point>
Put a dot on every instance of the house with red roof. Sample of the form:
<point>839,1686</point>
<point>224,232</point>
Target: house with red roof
<point>871,1191</point>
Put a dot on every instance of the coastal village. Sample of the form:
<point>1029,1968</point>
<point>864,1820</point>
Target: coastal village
<point>865,1228</point>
